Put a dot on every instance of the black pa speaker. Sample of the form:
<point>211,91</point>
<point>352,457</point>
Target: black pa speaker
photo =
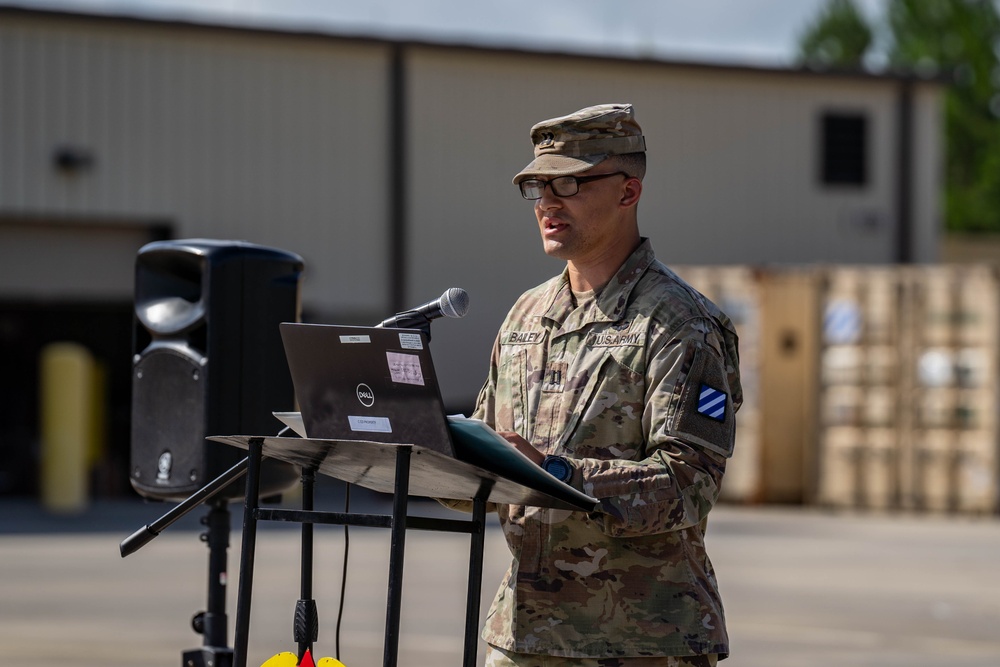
<point>208,360</point>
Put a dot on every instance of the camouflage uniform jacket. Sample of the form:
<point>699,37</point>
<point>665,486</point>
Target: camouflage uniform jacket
<point>615,387</point>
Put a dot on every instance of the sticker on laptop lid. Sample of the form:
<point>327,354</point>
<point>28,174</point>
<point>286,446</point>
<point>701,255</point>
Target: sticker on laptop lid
<point>405,368</point>
<point>355,339</point>
<point>411,341</point>
<point>369,424</point>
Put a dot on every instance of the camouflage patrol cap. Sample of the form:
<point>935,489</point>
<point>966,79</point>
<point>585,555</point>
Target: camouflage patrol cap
<point>574,143</point>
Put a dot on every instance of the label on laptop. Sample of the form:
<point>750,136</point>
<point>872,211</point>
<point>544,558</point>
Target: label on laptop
<point>355,339</point>
<point>370,424</point>
<point>411,341</point>
<point>405,368</point>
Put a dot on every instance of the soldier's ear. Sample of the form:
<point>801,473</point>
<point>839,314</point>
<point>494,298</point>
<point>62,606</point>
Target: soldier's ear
<point>631,191</point>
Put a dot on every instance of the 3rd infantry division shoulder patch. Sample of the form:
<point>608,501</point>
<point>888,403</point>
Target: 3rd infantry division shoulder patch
<point>712,403</point>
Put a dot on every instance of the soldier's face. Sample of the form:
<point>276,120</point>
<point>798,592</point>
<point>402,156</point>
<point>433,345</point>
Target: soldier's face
<point>580,227</point>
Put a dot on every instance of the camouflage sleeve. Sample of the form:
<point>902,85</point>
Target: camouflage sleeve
<point>486,402</point>
<point>689,427</point>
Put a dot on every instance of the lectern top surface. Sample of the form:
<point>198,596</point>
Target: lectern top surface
<point>432,474</point>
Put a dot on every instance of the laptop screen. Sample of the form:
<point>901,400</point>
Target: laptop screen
<point>366,383</point>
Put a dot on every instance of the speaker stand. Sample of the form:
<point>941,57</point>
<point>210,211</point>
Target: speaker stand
<point>212,623</point>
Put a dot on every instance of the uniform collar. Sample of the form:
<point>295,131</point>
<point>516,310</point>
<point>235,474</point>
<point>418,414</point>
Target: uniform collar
<point>610,305</point>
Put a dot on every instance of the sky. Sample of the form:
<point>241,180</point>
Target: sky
<point>754,32</point>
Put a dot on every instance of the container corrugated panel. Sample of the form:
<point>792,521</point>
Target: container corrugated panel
<point>954,324</point>
<point>861,385</point>
<point>880,469</point>
<point>841,450</point>
<point>955,305</point>
<point>859,406</point>
<point>955,473</point>
<point>861,305</point>
<point>936,407</point>
<point>842,406</point>
<point>933,471</point>
<point>878,408</point>
<point>842,365</point>
<point>860,468</point>
<point>975,477</point>
<point>736,291</point>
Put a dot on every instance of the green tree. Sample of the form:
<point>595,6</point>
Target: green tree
<point>839,37</point>
<point>959,37</point>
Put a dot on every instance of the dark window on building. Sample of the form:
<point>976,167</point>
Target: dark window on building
<point>844,149</point>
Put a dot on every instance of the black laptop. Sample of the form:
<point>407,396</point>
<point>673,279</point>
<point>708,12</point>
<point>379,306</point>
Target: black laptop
<point>366,383</point>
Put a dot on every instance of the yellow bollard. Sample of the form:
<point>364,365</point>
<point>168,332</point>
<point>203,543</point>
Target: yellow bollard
<point>67,415</point>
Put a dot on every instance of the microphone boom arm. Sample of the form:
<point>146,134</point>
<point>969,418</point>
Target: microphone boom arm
<point>412,319</point>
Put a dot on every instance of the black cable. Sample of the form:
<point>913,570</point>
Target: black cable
<point>343,575</point>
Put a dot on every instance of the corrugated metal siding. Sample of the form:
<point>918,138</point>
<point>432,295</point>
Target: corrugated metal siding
<point>265,138</point>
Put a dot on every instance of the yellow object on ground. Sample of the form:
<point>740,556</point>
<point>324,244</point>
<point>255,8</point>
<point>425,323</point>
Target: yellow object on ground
<point>285,659</point>
<point>67,395</point>
<point>288,659</point>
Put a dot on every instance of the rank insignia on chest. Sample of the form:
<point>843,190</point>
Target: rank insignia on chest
<point>712,403</point>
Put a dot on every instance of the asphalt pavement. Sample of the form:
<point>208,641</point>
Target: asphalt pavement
<point>801,587</point>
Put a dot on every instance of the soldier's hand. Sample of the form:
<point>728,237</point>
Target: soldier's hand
<point>523,446</point>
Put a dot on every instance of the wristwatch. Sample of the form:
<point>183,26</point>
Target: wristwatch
<point>558,467</point>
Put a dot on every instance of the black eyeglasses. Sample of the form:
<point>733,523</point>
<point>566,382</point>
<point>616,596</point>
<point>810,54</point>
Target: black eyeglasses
<point>564,186</point>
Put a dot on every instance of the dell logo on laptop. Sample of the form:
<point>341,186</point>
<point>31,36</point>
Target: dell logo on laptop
<point>366,395</point>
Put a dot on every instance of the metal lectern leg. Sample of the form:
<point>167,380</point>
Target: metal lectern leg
<point>397,542</point>
<point>251,502</point>
<point>475,581</point>
<point>306,625</point>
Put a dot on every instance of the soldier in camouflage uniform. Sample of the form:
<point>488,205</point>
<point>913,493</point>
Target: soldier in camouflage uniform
<point>621,380</point>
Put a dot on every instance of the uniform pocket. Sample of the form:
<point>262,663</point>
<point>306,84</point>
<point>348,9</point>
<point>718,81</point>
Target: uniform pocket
<point>512,391</point>
<point>608,422</point>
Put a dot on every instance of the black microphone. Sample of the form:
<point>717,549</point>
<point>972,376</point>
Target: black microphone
<point>453,303</point>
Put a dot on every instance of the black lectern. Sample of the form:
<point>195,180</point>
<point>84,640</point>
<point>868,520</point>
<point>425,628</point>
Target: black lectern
<point>402,470</point>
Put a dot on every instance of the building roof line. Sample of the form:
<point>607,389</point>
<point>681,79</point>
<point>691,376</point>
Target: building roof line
<point>441,42</point>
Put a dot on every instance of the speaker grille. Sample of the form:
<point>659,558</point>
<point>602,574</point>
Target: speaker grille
<point>169,390</point>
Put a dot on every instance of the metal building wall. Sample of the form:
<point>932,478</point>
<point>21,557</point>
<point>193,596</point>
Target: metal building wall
<point>733,173</point>
<point>279,140</point>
